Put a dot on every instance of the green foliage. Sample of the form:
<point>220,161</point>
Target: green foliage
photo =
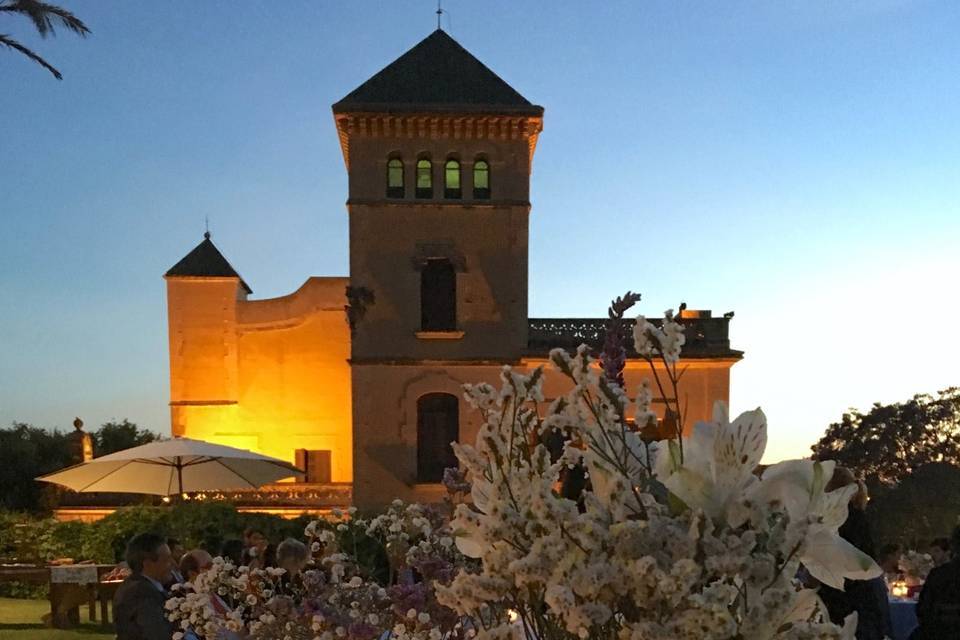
<point>26,452</point>
<point>923,506</point>
<point>195,524</point>
<point>886,444</point>
<point>24,590</point>
<point>117,436</point>
<point>36,541</point>
<point>32,540</point>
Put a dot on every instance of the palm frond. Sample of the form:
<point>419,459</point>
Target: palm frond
<point>13,44</point>
<point>45,16</point>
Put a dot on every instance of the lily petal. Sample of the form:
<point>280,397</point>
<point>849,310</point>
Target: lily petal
<point>829,558</point>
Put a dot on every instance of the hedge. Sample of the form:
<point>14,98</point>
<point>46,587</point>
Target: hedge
<point>27,539</point>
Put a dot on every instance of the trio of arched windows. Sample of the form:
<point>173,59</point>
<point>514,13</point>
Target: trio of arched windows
<point>452,183</point>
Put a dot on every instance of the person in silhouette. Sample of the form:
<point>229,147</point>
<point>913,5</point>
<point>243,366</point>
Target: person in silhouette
<point>868,598</point>
<point>938,610</point>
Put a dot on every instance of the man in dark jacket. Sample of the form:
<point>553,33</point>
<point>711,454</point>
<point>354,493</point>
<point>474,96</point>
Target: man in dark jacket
<point>138,606</point>
<point>938,610</point>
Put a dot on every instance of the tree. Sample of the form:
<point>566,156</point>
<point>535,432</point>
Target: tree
<point>116,436</point>
<point>45,18</point>
<point>25,453</point>
<point>886,444</point>
<point>925,505</point>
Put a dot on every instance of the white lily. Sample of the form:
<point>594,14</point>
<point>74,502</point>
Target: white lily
<point>716,474</point>
<point>718,461</point>
<point>798,485</point>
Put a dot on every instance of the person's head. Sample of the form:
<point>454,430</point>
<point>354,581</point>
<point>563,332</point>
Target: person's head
<point>843,477</point>
<point>939,550</point>
<point>176,549</point>
<point>889,558</point>
<point>256,539</point>
<point>292,555</point>
<point>194,563</point>
<point>232,550</point>
<point>148,554</point>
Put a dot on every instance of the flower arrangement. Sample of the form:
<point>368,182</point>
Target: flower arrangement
<point>345,593</point>
<point>676,538</point>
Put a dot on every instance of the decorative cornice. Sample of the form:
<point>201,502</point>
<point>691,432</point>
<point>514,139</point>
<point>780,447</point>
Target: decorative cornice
<point>465,203</point>
<point>436,126</point>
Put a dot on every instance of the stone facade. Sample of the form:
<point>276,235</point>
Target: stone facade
<point>291,374</point>
<point>267,375</point>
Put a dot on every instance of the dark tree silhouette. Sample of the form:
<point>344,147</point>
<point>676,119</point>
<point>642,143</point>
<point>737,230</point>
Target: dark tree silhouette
<point>886,444</point>
<point>922,507</point>
<point>25,453</point>
<point>45,17</point>
<point>117,436</point>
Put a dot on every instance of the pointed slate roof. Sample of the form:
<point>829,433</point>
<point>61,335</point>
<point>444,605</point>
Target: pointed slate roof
<point>206,261</point>
<point>437,75</point>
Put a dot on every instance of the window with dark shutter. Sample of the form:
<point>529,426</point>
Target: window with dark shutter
<point>438,296</point>
<point>316,464</point>
<point>438,424</point>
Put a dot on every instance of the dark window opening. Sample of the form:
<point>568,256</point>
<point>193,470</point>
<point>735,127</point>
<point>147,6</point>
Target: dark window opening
<point>317,465</point>
<point>481,180</point>
<point>438,424</point>
<point>438,296</point>
<point>424,178</point>
<point>451,184</point>
<point>395,178</point>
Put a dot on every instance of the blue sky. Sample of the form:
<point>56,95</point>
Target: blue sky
<point>797,162</point>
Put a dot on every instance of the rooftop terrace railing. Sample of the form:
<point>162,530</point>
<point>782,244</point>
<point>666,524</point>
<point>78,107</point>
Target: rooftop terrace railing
<point>706,337</point>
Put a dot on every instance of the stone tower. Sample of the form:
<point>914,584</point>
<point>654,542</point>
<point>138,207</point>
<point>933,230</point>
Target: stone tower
<point>438,150</point>
<point>203,292</point>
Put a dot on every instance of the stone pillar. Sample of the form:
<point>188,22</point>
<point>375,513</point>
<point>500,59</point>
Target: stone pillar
<point>81,444</point>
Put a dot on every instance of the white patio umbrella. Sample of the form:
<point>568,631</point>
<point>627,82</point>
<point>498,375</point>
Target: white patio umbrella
<point>172,467</point>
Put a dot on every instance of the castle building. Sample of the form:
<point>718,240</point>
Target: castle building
<point>358,379</point>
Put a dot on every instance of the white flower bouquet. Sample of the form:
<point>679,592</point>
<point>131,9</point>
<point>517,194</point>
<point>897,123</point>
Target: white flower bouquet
<point>677,538</point>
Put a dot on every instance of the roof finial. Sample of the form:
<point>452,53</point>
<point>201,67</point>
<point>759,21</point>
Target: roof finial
<point>206,224</point>
<point>439,13</point>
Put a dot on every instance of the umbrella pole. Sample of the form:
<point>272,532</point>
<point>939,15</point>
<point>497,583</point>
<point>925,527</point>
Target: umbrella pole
<point>180,478</point>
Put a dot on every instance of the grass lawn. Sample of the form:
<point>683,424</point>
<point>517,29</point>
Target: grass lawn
<point>20,619</point>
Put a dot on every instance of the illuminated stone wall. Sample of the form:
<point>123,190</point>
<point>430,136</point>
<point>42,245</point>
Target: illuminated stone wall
<point>385,446</point>
<point>267,375</point>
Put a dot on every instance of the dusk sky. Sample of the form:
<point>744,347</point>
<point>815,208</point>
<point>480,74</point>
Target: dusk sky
<point>797,162</point>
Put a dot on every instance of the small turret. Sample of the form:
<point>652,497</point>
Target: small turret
<point>203,290</point>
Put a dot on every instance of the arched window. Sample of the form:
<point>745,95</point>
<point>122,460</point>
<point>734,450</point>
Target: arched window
<point>451,183</point>
<point>395,178</point>
<point>438,424</point>
<point>424,178</point>
<point>438,296</point>
<point>481,180</point>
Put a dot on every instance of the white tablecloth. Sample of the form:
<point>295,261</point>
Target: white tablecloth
<point>903,618</point>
